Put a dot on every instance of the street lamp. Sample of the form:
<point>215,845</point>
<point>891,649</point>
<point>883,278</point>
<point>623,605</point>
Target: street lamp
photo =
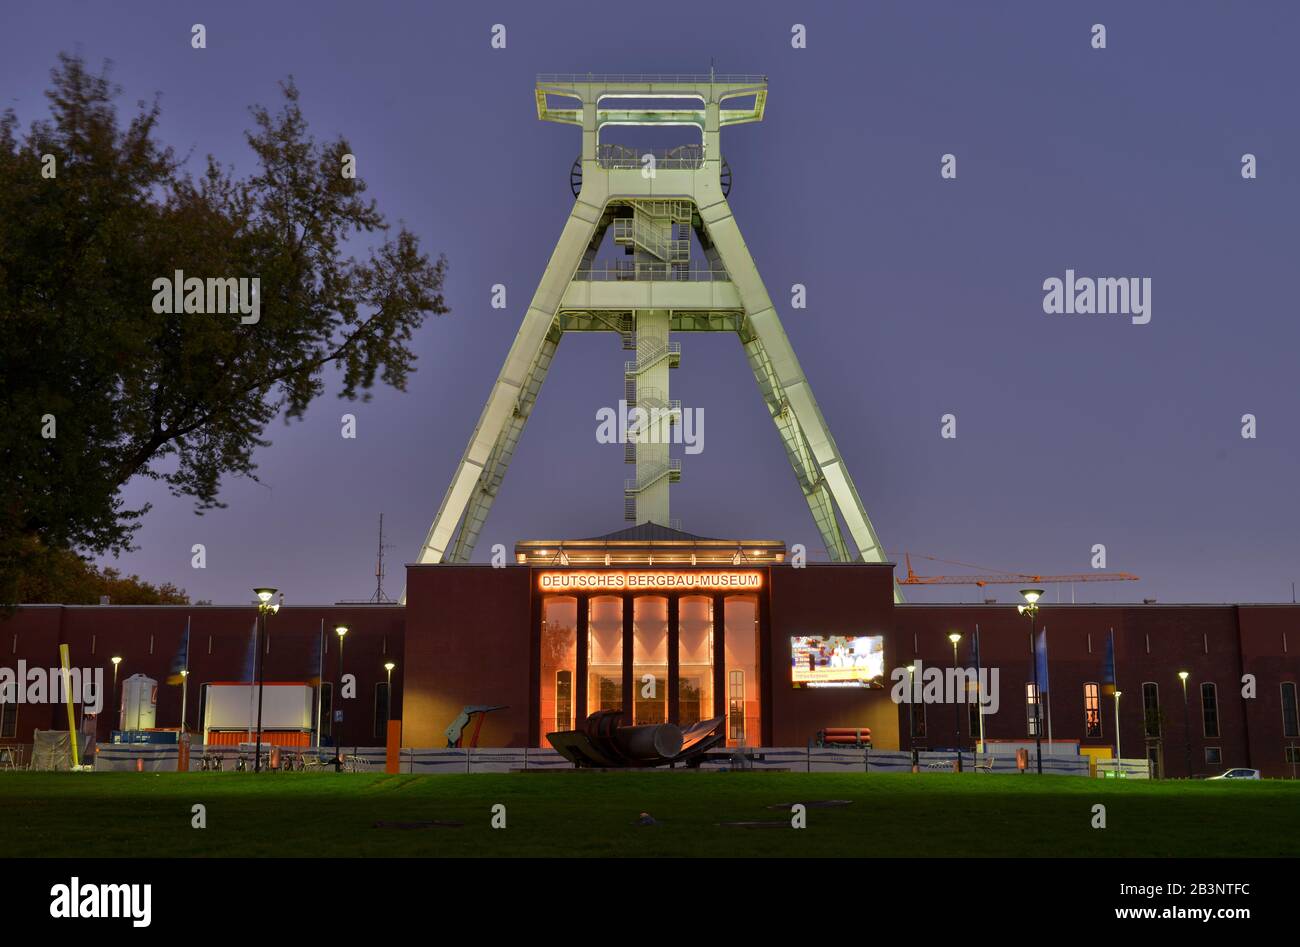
<point>116,659</point>
<point>911,711</point>
<point>388,691</point>
<point>264,608</point>
<point>1187,724</point>
<point>1031,597</point>
<point>956,706</point>
<point>337,714</point>
<point>185,683</point>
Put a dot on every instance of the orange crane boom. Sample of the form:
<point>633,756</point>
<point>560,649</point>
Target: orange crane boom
<point>1003,578</point>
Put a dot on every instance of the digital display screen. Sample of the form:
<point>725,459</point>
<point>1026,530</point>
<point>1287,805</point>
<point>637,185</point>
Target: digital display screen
<point>837,661</point>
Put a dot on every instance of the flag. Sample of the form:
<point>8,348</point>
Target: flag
<point>181,662</point>
<point>250,658</point>
<point>316,663</point>
<point>1040,657</point>
<point>975,648</point>
<point>1108,667</point>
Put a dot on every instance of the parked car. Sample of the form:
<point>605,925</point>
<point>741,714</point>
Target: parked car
<point>1238,774</point>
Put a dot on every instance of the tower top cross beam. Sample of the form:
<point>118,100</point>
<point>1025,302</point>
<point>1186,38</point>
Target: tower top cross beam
<point>711,90</point>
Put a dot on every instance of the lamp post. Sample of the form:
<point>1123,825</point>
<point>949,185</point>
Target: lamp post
<point>185,683</point>
<point>264,607</point>
<point>911,711</point>
<point>337,713</point>
<point>388,693</point>
<point>956,706</point>
<point>1118,756</point>
<point>1187,724</point>
<point>116,659</point>
<point>1031,597</point>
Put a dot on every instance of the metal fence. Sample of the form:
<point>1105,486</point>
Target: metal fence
<point>448,761</point>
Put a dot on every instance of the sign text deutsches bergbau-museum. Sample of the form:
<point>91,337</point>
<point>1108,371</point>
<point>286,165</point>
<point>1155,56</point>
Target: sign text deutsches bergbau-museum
<point>636,579</point>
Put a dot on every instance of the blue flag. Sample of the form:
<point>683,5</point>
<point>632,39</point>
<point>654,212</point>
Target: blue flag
<point>250,658</point>
<point>1040,657</point>
<point>975,648</point>
<point>315,663</point>
<point>181,661</point>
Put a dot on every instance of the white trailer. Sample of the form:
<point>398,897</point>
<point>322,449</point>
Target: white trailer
<point>232,707</point>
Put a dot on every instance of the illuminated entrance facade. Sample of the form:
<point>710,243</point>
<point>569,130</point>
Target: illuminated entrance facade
<point>670,631</point>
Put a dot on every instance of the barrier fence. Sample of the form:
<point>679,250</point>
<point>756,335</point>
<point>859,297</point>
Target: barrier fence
<point>154,758</point>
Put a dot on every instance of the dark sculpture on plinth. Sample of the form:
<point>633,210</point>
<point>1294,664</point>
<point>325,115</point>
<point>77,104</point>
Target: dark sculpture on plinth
<point>604,742</point>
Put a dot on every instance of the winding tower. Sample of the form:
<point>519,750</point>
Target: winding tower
<point>655,202</point>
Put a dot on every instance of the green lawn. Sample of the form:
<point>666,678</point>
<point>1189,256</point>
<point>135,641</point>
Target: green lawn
<point>578,814</point>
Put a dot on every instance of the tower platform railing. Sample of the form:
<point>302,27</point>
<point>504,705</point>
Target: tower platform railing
<point>614,271</point>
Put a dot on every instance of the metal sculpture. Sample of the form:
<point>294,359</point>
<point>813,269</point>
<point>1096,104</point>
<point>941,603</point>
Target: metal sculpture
<point>605,743</point>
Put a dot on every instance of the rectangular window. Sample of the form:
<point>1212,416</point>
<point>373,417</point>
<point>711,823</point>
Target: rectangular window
<point>1213,755</point>
<point>1290,725</point>
<point>1210,709</point>
<point>1293,754</point>
<point>1032,711</point>
<point>918,717</point>
<point>695,659</point>
<point>740,648</point>
<point>381,711</point>
<point>564,700</point>
<point>559,647</point>
<point>605,654</point>
<point>736,707</point>
<point>974,720</point>
<point>8,721</point>
<point>1151,709</point>
<point>1092,711</point>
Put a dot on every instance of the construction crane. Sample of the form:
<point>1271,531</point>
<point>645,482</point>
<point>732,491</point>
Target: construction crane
<point>994,577</point>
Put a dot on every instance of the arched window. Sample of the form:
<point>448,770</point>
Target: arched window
<point>1092,711</point>
<point>1210,709</point>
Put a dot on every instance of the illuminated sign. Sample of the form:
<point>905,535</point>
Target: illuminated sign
<point>634,580</point>
<point>837,660</point>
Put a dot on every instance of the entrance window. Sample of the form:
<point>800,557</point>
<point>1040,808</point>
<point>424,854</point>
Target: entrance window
<point>605,654</point>
<point>559,662</point>
<point>695,660</point>
<point>650,659</point>
<point>741,646</point>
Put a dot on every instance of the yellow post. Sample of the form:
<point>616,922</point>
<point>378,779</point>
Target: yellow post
<point>67,694</point>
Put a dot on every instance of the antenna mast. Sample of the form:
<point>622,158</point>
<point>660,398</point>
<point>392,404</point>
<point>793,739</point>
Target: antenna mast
<point>380,597</point>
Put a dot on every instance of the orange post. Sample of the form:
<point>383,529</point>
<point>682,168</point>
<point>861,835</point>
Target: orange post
<point>393,759</point>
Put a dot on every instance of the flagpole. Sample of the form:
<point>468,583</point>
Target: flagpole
<point>1115,684</point>
<point>320,678</point>
<point>252,684</point>
<point>185,678</point>
<point>1047,694</point>
<point>979,704</point>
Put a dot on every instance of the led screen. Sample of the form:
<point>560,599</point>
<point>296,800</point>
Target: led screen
<point>837,661</point>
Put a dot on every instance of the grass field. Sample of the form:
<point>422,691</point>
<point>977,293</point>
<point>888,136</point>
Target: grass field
<point>595,814</point>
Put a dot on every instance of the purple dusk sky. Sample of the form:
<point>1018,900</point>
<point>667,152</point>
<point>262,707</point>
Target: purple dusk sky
<point>925,296</point>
